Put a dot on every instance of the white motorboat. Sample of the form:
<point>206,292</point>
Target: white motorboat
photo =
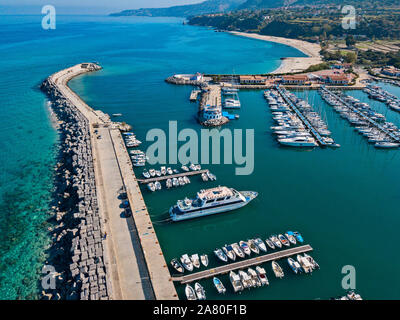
<point>169,171</point>
<point>151,187</point>
<point>186,262</point>
<point>298,142</point>
<point>283,240</point>
<point>314,264</point>
<point>181,181</point>
<point>235,281</point>
<point>277,270</point>
<point>163,171</point>
<point>238,251</point>
<point>177,266</point>
<point>175,182</point>
<point>270,243</point>
<point>305,264</point>
<point>276,241</point>
<point>294,265</point>
<point>157,185</point>
<point>204,177</point>
<point>186,180</point>
<point>193,167</point>
<point>185,168</point>
<point>190,293</point>
<point>262,275</point>
<point>254,278</point>
<point>246,280</point>
<point>229,252</point>
<point>168,183</point>
<point>211,176</point>
<point>204,260</point>
<point>253,247</point>
<point>195,260</point>
<point>386,145</point>
<point>290,236</point>
<point>260,244</point>
<point>158,173</point>
<point>245,247</point>
<point>146,174</point>
<point>221,255</point>
<point>200,292</point>
<point>152,172</point>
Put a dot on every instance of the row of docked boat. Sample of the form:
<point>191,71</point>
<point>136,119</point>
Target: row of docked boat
<point>196,293</point>
<point>130,140</point>
<point>351,295</point>
<point>170,183</point>
<point>138,158</point>
<point>365,120</point>
<point>377,93</point>
<point>151,173</point>
<point>189,262</point>
<point>231,98</point>
<point>246,248</point>
<point>291,129</point>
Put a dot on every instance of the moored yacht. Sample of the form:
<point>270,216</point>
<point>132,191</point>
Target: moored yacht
<point>211,201</point>
<point>220,255</point>
<point>262,274</point>
<point>235,281</point>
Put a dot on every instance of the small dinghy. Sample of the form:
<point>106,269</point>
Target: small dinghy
<point>219,285</point>
<point>298,236</point>
<point>221,255</point>
<point>253,247</point>
<point>262,275</point>
<point>290,236</point>
<point>184,168</point>
<point>190,293</point>
<point>276,241</point>
<point>277,270</point>
<point>146,174</point>
<point>201,294</point>
<point>204,177</point>
<point>169,183</point>
<point>238,251</point>
<point>294,265</point>
<point>187,264</point>
<point>260,244</point>
<point>230,253</point>
<point>152,172</point>
<point>270,243</point>
<point>151,187</point>
<point>245,247</point>
<point>195,260</point>
<point>283,239</point>
<point>204,260</point>
<point>169,171</point>
<point>177,266</point>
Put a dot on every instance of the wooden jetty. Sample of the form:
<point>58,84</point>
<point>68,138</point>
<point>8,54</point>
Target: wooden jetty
<point>171,176</point>
<point>241,264</point>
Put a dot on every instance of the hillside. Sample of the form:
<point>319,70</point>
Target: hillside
<point>209,6</point>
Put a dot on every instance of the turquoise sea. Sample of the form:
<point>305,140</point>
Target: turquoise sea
<point>343,201</point>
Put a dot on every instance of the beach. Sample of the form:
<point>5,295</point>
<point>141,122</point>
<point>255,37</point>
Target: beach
<point>290,64</point>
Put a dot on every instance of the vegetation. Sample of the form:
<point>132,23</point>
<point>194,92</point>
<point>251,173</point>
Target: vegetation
<point>318,67</point>
<point>376,59</point>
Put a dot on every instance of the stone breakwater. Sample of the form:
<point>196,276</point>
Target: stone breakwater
<point>78,250</point>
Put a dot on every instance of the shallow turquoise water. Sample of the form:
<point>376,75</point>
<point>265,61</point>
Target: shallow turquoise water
<point>137,54</point>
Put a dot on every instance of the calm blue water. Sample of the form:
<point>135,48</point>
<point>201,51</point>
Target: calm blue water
<point>137,55</point>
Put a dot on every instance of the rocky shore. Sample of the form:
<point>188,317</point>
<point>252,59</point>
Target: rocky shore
<point>78,248</point>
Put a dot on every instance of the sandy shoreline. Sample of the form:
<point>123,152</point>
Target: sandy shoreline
<point>290,64</point>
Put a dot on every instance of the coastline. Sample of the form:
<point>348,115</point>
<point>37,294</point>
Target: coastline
<point>290,64</point>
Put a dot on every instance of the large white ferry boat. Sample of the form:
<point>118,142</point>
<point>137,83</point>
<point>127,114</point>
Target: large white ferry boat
<point>211,201</point>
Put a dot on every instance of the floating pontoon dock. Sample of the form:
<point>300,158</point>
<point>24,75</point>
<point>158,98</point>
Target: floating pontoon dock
<point>241,264</point>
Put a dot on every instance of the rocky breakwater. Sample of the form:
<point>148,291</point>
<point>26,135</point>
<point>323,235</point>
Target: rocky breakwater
<point>78,249</point>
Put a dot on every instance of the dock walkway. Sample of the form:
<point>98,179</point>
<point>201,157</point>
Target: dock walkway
<point>362,115</point>
<point>313,131</point>
<point>171,176</point>
<point>241,264</point>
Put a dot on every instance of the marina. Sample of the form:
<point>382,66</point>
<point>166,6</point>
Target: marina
<point>241,264</point>
<point>368,122</point>
<point>298,125</point>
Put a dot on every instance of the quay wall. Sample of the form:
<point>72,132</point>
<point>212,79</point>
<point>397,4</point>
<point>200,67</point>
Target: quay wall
<point>97,252</point>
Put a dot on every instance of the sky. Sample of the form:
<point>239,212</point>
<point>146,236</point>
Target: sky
<point>84,6</point>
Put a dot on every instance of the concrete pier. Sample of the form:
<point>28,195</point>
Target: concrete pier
<point>134,260</point>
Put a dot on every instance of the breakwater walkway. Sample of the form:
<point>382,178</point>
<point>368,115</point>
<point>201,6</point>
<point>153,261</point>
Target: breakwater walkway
<point>133,260</point>
<point>241,264</point>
